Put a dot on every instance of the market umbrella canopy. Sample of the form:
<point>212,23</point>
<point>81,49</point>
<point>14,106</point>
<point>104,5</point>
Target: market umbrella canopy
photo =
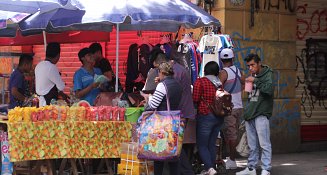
<point>162,15</point>
<point>32,6</point>
<point>158,15</point>
<point>7,17</point>
<point>12,11</point>
<point>8,22</point>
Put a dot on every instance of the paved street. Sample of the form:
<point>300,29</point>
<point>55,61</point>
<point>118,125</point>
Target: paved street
<point>305,163</point>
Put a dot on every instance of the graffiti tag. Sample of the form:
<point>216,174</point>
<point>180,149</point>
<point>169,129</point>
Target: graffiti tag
<point>241,51</point>
<point>314,24</point>
<point>313,61</point>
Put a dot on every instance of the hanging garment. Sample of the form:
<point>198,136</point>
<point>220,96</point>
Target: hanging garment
<point>187,55</point>
<point>181,54</point>
<point>209,47</point>
<point>132,70</point>
<point>138,65</point>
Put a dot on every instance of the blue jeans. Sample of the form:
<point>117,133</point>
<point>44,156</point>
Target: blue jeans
<point>207,129</point>
<point>258,135</point>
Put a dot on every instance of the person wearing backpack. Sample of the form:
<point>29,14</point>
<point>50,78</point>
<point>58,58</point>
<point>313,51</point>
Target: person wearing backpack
<point>232,80</point>
<point>208,125</point>
<point>257,114</point>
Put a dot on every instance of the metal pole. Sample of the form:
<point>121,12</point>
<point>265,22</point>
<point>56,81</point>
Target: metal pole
<point>117,56</point>
<point>44,40</point>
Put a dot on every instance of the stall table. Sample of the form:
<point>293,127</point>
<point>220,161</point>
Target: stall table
<point>67,139</point>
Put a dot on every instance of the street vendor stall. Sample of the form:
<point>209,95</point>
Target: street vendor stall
<point>54,132</point>
<point>61,139</point>
<point>53,138</point>
<point>77,132</point>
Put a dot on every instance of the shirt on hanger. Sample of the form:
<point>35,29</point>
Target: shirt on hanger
<point>209,46</point>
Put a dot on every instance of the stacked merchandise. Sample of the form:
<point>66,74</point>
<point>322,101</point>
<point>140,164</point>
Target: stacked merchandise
<point>65,113</point>
<point>130,164</point>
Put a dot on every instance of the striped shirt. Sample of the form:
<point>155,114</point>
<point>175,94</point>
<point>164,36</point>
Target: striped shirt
<point>157,97</point>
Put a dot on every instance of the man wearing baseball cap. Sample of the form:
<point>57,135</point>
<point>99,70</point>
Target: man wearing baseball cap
<point>232,79</point>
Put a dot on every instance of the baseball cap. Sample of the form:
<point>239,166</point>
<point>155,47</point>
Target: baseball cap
<point>226,54</point>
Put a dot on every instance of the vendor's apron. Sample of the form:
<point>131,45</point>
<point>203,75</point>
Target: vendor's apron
<point>52,94</point>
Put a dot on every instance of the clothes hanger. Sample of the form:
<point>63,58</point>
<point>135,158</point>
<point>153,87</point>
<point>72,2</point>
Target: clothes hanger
<point>187,38</point>
<point>211,33</point>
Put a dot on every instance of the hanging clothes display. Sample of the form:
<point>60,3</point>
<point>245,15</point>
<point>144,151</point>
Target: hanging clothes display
<point>187,54</point>
<point>138,65</point>
<point>210,46</point>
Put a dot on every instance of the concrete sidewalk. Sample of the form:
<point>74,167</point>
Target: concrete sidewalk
<point>305,163</point>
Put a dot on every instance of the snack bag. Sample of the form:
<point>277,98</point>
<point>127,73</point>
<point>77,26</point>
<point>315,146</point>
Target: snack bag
<point>93,114</point>
<point>102,113</point>
<point>121,114</point>
<point>7,166</point>
<point>108,113</point>
<point>115,113</point>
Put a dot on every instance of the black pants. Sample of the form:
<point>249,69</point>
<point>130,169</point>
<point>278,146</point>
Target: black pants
<point>173,167</point>
<point>184,163</point>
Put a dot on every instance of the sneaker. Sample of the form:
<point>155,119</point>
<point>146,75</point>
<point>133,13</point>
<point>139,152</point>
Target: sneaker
<point>247,171</point>
<point>230,164</point>
<point>265,172</point>
<point>203,172</point>
<point>212,171</point>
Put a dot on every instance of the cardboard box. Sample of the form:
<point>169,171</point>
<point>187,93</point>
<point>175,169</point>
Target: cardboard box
<point>136,169</point>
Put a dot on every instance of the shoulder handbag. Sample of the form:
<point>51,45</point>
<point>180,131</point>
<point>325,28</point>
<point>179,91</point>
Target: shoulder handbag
<point>242,147</point>
<point>160,134</point>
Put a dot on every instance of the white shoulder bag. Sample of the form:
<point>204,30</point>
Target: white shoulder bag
<point>243,148</point>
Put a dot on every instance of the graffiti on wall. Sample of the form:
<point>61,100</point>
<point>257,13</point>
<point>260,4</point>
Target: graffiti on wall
<point>237,2</point>
<point>313,61</point>
<point>241,50</point>
<point>315,23</point>
<point>289,5</point>
<point>286,116</point>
